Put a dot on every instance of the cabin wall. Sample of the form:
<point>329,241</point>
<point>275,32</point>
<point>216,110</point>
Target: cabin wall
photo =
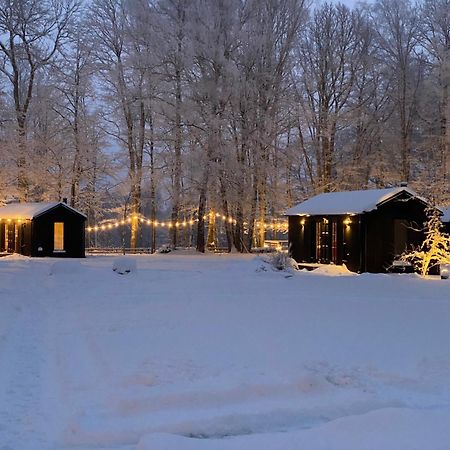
<point>301,239</point>
<point>43,234</point>
<point>340,242</point>
<point>390,230</point>
<point>352,242</point>
<point>446,227</point>
<point>295,238</point>
<point>24,233</point>
<point>15,237</point>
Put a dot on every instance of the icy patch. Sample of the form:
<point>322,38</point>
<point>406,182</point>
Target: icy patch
<point>124,265</point>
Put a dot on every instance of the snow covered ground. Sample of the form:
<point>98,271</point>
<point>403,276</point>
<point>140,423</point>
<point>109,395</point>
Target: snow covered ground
<point>220,353</point>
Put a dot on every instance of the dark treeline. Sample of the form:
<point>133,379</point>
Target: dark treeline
<point>172,108</point>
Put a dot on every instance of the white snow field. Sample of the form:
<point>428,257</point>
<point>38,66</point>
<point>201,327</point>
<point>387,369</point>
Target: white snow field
<point>189,352</point>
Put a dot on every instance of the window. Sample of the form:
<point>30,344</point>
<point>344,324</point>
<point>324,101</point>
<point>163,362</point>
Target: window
<point>334,246</point>
<point>58,245</point>
<point>5,245</point>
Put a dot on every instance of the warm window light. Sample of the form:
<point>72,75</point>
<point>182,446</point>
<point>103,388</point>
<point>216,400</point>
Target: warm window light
<point>347,221</point>
<point>302,222</point>
<point>58,236</point>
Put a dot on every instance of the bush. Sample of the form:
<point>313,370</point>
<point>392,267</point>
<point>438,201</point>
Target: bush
<point>281,261</point>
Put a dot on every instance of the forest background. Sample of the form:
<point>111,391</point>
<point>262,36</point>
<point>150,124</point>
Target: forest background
<point>172,109</point>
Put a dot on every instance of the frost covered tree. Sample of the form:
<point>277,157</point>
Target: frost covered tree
<point>121,66</point>
<point>176,108</point>
<point>331,53</point>
<point>435,248</point>
<point>435,32</point>
<point>31,34</point>
<point>397,26</point>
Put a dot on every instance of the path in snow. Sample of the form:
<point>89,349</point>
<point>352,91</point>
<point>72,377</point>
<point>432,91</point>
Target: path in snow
<point>23,356</point>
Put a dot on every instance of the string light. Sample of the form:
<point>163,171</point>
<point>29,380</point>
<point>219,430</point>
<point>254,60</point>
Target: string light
<point>280,227</point>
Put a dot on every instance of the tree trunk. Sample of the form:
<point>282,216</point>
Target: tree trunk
<point>152,184</point>
<point>211,241</point>
<point>253,207</point>
<point>76,166</point>
<point>202,212</point>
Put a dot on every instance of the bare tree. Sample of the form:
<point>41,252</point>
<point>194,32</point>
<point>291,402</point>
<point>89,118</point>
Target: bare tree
<point>120,65</point>
<point>32,31</point>
<point>397,25</point>
<point>435,20</point>
<point>330,54</point>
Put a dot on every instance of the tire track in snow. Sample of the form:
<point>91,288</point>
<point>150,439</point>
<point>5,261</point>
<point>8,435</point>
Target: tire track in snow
<point>22,361</point>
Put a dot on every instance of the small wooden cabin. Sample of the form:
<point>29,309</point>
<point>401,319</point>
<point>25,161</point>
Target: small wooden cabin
<point>365,230</point>
<point>42,229</point>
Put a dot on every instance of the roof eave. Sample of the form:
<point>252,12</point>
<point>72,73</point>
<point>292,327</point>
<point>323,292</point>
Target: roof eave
<point>65,205</point>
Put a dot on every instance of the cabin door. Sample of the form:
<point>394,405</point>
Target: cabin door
<point>326,241</point>
<point>10,237</point>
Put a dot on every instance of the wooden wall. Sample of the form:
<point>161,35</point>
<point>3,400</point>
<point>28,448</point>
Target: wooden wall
<point>43,233</point>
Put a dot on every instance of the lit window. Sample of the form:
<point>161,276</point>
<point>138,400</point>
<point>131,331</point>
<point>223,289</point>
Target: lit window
<point>58,244</point>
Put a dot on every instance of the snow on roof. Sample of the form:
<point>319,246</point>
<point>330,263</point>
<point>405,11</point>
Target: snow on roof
<point>29,210</point>
<point>446,215</point>
<point>347,202</point>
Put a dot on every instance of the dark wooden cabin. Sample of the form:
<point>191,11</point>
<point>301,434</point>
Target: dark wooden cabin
<point>365,230</point>
<point>42,229</point>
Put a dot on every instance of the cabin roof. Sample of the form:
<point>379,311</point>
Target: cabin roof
<point>348,202</point>
<point>31,210</point>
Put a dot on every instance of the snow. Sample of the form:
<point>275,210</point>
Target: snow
<point>29,211</point>
<point>333,270</point>
<point>124,265</point>
<point>347,202</point>
<point>209,353</point>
